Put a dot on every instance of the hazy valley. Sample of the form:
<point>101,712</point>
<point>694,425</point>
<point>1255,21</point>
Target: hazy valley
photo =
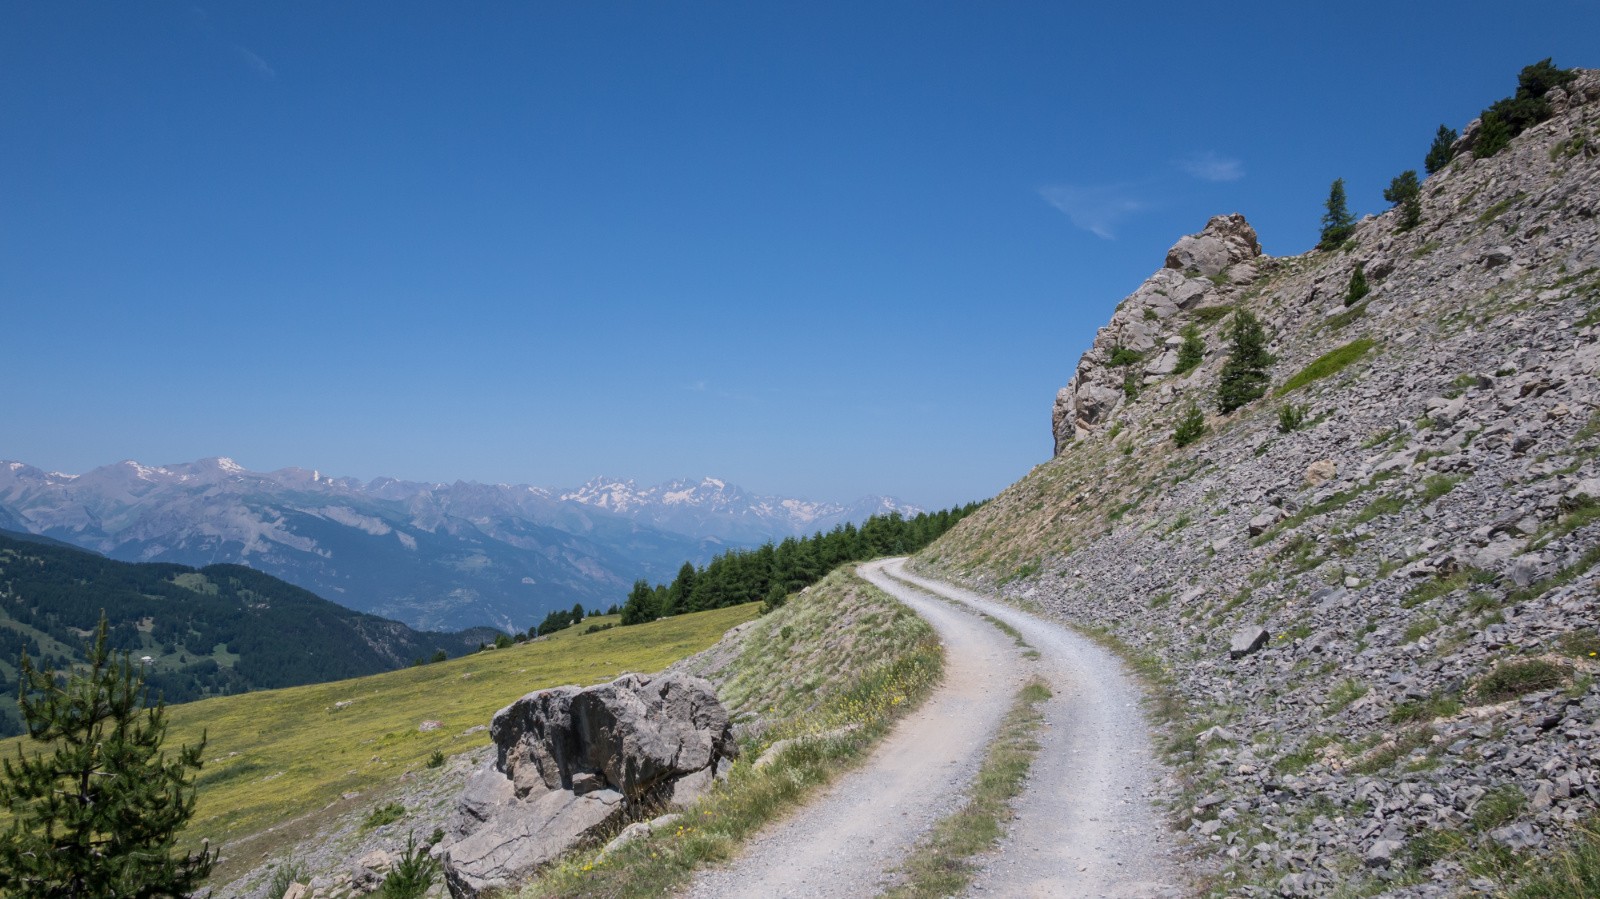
<point>435,556</point>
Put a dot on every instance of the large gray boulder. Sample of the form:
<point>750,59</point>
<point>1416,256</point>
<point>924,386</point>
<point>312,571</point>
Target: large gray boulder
<point>633,734</point>
<point>570,762</point>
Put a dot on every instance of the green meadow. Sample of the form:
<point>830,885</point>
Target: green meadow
<point>281,755</point>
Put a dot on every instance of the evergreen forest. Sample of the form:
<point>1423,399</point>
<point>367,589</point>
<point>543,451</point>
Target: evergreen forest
<point>210,631</point>
<point>771,572</point>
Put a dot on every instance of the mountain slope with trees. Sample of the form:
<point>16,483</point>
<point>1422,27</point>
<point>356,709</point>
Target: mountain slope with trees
<point>210,631</point>
<point>1366,588</point>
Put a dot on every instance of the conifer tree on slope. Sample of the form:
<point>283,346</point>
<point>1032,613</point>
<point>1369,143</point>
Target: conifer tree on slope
<point>1406,193</point>
<point>96,814</point>
<point>1442,150</point>
<point>1337,222</point>
<point>1244,375</point>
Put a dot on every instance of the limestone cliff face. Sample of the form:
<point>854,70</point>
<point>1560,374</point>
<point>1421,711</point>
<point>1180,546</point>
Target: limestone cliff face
<point>1205,269</point>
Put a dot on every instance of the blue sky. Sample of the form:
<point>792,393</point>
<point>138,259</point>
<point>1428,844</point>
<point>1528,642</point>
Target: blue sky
<point>817,249</point>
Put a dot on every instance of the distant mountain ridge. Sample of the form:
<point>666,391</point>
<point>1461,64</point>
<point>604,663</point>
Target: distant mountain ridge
<point>431,555</point>
<point>713,509</point>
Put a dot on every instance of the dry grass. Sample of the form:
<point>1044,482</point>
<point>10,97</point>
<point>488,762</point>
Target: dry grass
<point>289,755</point>
<point>873,661</point>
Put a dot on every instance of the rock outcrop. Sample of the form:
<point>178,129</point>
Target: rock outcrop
<point>1226,239</point>
<point>571,762</point>
<point>1139,346</point>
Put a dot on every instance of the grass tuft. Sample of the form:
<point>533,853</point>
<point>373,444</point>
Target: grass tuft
<point>1328,364</point>
<point>1433,707</point>
<point>387,813</point>
<point>1498,807</point>
<point>1519,677</point>
<point>1016,636</point>
<point>1573,874</point>
<point>941,864</point>
<point>1344,693</point>
<point>286,874</point>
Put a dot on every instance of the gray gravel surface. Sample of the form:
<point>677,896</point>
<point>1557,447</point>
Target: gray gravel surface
<point>1085,827</point>
<point>1086,824</point>
<point>847,841</point>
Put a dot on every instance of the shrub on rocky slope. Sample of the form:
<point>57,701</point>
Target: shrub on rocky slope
<point>1421,550</point>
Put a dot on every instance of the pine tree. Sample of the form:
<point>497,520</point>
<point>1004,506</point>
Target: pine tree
<point>1406,193</point>
<point>1509,117</point>
<point>1337,222</point>
<point>1191,426</point>
<point>413,873</point>
<point>1244,375</point>
<point>1442,150</point>
<point>682,586</point>
<point>776,597</point>
<point>97,814</point>
<point>1494,135</point>
<point>1191,352</point>
<point>1358,286</point>
<point>641,604</point>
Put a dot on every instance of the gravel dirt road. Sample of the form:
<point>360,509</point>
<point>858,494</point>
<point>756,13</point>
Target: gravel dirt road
<point>1085,825</point>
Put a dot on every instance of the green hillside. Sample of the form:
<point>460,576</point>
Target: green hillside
<point>218,630</point>
<point>275,757</point>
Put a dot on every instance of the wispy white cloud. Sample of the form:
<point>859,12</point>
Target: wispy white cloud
<point>1096,209</point>
<point>256,63</point>
<point>713,390</point>
<point>1209,166</point>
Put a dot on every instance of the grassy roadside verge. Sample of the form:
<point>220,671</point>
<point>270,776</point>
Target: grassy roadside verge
<point>275,759</point>
<point>866,661</point>
<point>941,865</point>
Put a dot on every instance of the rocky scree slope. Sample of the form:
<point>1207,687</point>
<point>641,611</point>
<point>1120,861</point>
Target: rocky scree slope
<point>1379,628</point>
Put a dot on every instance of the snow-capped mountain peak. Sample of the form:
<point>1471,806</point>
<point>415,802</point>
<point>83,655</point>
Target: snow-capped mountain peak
<point>714,509</point>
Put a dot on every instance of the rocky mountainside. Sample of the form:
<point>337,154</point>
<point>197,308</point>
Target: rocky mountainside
<point>435,556</point>
<point>1371,596</point>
